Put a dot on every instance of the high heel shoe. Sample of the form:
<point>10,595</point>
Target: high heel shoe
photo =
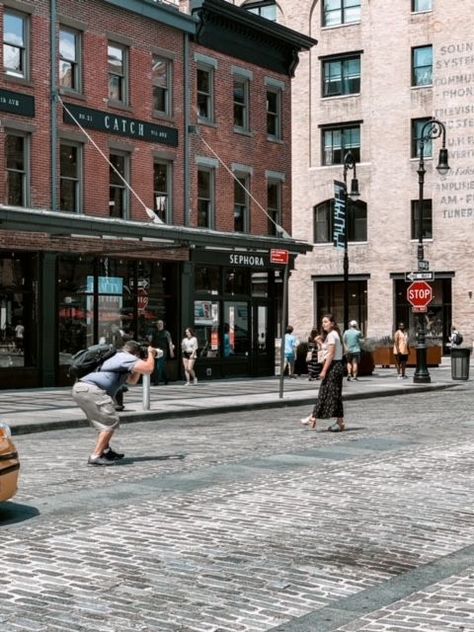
<point>313,423</point>
<point>306,420</point>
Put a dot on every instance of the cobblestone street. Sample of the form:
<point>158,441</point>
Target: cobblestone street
<point>248,522</point>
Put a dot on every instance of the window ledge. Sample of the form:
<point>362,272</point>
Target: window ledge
<point>168,118</point>
<point>414,240</point>
<point>424,87</point>
<point>273,139</point>
<point>71,94</point>
<point>18,80</point>
<point>202,121</point>
<point>417,159</point>
<point>117,105</point>
<point>427,11</point>
<point>341,96</point>
<point>243,132</point>
<point>342,25</point>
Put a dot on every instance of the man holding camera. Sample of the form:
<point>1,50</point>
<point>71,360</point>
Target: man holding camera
<point>94,394</point>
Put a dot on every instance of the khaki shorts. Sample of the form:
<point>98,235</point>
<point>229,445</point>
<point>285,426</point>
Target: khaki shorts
<point>98,407</point>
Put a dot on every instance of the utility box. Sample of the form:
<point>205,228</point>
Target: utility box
<point>460,363</point>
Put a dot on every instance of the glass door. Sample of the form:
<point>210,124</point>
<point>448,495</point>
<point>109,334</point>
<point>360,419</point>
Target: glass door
<point>261,355</point>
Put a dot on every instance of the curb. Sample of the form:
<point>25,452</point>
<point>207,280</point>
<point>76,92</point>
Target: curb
<point>136,417</point>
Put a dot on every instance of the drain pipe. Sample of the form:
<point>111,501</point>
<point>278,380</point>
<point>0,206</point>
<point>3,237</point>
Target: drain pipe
<point>54,106</point>
<point>187,143</point>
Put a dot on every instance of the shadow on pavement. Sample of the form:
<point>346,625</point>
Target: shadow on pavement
<point>11,513</point>
<point>141,459</point>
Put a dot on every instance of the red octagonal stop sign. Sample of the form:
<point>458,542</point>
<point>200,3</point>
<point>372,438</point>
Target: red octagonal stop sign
<point>419,294</point>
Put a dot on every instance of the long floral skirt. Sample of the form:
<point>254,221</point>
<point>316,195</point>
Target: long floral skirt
<point>329,402</point>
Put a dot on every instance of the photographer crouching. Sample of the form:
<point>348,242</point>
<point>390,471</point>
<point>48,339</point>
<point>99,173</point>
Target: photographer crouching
<point>95,392</point>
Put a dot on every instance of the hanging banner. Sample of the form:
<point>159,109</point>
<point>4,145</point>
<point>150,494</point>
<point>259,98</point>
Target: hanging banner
<point>339,219</point>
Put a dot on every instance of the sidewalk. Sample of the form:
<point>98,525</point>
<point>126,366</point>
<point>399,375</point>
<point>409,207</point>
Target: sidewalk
<point>37,410</point>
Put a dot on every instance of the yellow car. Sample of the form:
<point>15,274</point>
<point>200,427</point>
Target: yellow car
<point>9,464</point>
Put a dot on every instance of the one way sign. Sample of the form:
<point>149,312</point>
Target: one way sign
<point>419,276</point>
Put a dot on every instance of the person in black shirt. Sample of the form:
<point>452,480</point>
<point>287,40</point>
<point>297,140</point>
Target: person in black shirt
<point>160,338</point>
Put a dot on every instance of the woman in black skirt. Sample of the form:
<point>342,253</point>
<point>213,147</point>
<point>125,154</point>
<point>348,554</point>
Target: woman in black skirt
<point>329,401</point>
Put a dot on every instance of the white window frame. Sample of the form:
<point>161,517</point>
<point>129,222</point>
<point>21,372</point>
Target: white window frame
<point>124,79</point>
<point>24,47</point>
<point>76,63</point>
<point>77,180</point>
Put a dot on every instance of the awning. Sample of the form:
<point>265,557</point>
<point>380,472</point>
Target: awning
<point>156,235</point>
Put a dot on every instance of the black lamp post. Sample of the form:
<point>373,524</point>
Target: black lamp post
<point>349,164</point>
<point>431,129</point>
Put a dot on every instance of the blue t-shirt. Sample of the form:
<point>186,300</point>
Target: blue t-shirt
<point>113,373</point>
<point>291,343</point>
<point>352,340</point>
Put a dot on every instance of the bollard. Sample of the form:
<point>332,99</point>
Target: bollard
<point>146,379</point>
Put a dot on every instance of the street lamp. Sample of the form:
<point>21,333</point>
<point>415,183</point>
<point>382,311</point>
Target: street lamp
<point>431,129</point>
<point>349,164</point>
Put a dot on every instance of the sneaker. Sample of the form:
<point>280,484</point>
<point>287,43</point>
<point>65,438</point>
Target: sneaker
<point>195,380</point>
<point>119,408</point>
<point>99,460</point>
<point>186,383</point>
<point>305,421</point>
<point>349,378</point>
<point>111,455</point>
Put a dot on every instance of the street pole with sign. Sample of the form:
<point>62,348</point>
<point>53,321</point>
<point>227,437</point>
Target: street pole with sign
<point>282,257</point>
<point>431,129</point>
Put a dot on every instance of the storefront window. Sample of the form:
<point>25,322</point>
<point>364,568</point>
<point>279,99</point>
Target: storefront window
<point>206,326</point>
<point>260,284</point>
<point>207,279</point>
<point>330,299</point>
<point>17,312</point>
<point>103,300</point>
<point>237,281</point>
<point>236,329</point>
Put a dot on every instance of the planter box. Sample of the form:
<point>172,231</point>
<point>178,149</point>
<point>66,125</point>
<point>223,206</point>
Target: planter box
<point>383,356</point>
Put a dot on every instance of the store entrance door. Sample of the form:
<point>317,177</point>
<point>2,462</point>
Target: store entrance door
<point>260,352</point>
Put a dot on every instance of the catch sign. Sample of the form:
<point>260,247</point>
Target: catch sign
<point>419,295</point>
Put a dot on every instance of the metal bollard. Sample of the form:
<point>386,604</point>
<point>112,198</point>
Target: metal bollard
<point>146,379</point>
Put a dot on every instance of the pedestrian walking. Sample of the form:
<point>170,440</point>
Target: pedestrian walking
<point>95,392</point>
<point>189,347</point>
<point>329,401</point>
<point>160,338</point>
<point>401,350</point>
<point>291,342</point>
<point>314,355</point>
<point>351,339</point>
<point>456,338</point>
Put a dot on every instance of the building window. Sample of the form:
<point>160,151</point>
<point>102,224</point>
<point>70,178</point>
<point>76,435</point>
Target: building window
<point>205,98</point>
<point>274,205</point>
<point>117,59</point>
<point>241,103</point>
<point>339,140</point>
<point>417,6</point>
<point>265,9</point>
<point>416,128</point>
<point>341,76</point>
<point>70,177</point>
<point>274,113</point>
<point>241,203</point>
<point>69,59</point>
<point>162,85</point>
<point>118,196</point>
<point>356,224</point>
<point>426,219</point>
<point>340,12</point>
<point>422,66</point>
<point>162,187</point>
<point>16,160</point>
<point>15,44</point>
<point>205,197</point>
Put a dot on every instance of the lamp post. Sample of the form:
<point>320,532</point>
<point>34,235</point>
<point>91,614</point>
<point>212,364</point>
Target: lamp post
<point>431,129</point>
<point>349,164</point>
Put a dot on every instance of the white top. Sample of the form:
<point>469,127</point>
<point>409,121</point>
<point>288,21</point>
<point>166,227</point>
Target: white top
<point>189,345</point>
<point>332,339</point>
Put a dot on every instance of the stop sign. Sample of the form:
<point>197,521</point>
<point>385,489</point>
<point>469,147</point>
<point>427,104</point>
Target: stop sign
<point>419,294</point>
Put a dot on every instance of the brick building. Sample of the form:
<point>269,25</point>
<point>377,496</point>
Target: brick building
<point>145,177</point>
<point>378,74</point>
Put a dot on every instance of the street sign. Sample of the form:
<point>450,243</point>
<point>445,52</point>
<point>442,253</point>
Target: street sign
<point>419,276</point>
<point>279,256</point>
<point>419,310</point>
<point>419,295</point>
<point>423,266</point>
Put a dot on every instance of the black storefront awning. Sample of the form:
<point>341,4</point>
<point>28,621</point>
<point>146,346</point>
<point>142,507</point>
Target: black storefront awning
<point>76,226</point>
